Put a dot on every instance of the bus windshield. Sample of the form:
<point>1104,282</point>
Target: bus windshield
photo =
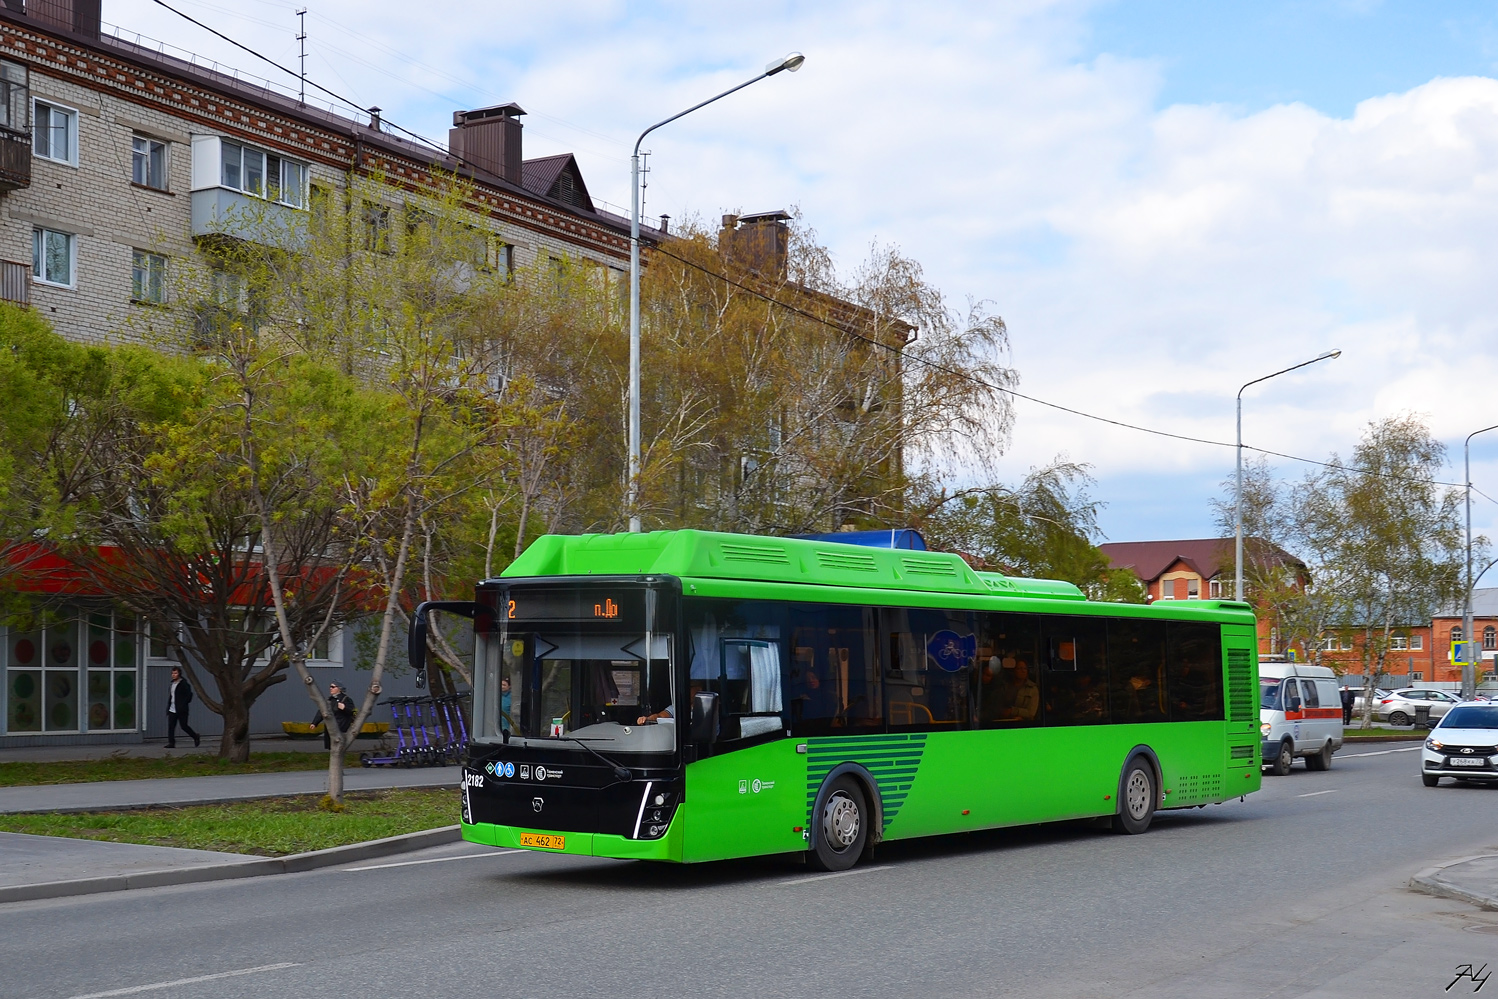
<point>577,664</point>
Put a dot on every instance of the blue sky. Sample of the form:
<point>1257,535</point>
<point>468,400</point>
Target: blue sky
<point>1163,200</point>
<point>1330,55</point>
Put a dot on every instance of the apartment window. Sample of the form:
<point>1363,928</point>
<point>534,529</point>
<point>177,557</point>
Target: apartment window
<point>15,96</point>
<point>1193,589</point>
<point>1214,588</point>
<point>263,175</point>
<point>1399,643</point>
<point>54,133</point>
<point>1328,644</point>
<point>376,228</point>
<point>148,278</point>
<point>1417,676</point>
<point>1167,589</point>
<point>1456,634</point>
<point>1489,638</point>
<point>148,162</point>
<point>52,255</point>
<point>1417,642</point>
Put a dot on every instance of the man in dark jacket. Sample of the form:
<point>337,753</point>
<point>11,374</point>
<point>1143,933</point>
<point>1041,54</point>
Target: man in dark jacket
<point>342,708</point>
<point>1349,696</point>
<point>178,697</point>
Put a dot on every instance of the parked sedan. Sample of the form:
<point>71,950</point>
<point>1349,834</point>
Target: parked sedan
<point>1398,708</point>
<point>1463,746</point>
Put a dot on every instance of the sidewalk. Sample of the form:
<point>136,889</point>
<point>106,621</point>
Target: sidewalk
<point>1471,879</point>
<point>156,749</point>
<point>115,795</point>
<point>38,867</point>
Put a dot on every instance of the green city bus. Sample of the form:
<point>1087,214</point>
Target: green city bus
<point>692,696</point>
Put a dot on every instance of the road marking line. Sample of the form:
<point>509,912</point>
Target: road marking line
<point>837,874</point>
<point>189,981</point>
<point>1313,794</point>
<point>1382,752</point>
<point>433,860</point>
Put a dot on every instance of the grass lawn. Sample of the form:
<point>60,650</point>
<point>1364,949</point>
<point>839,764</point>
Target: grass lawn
<point>272,827</point>
<point>1383,733</point>
<point>139,767</point>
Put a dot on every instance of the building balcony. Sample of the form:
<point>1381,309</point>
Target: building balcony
<point>15,282</point>
<point>15,160</point>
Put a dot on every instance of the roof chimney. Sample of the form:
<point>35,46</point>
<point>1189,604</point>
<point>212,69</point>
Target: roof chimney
<point>759,242</point>
<point>374,119</point>
<point>489,139</point>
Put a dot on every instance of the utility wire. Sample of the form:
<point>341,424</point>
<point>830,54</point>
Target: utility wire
<point>823,321</point>
<point>333,94</point>
<point>1017,394</point>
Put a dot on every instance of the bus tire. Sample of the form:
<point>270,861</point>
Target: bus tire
<point>1282,760</point>
<point>1321,760</point>
<point>841,829</point>
<point>1137,797</point>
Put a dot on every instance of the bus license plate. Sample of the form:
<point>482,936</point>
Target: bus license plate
<point>1476,761</point>
<point>548,842</point>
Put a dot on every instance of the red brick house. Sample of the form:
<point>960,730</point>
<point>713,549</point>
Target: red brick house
<point>1195,569</point>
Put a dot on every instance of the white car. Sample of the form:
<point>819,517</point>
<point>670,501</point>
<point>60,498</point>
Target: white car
<point>1398,708</point>
<point>1463,746</point>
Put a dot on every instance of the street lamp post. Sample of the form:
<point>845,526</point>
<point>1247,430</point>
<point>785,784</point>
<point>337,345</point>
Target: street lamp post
<point>1469,668</point>
<point>1238,492</point>
<point>791,62</point>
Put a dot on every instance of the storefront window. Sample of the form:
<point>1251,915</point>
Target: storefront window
<point>72,673</point>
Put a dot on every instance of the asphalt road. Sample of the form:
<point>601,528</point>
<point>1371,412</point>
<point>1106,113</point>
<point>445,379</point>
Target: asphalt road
<point>1297,891</point>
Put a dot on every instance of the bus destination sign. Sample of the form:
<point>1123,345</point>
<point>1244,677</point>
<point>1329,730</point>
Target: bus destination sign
<point>574,605</point>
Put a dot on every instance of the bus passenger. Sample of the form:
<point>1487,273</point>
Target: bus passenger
<point>1026,695</point>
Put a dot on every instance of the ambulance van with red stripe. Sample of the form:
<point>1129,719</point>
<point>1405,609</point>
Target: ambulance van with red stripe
<point>1300,715</point>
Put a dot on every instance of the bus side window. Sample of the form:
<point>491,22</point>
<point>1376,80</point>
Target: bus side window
<point>1194,671</point>
<point>737,652</point>
<point>1076,674</point>
<point>1009,674</point>
<point>1136,670</point>
<point>833,684</point>
<point>928,672</point>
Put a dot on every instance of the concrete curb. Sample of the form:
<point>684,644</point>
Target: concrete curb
<point>250,868</point>
<point>139,807</point>
<point>1430,882</point>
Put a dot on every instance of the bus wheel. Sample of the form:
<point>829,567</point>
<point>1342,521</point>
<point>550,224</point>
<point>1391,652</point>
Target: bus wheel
<point>842,829</point>
<point>1321,760</point>
<point>1281,765</point>
<point>1136,805</point>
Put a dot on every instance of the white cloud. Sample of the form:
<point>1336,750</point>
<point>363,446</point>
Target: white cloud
<point>1148,261</point>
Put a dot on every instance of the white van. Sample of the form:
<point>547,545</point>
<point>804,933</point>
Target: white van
<point>1300,714</point>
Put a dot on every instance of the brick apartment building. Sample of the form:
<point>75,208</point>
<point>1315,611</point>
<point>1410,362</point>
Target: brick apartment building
<point>116,156</point>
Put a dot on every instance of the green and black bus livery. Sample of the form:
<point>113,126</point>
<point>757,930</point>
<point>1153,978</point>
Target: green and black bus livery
<point>693,696</point>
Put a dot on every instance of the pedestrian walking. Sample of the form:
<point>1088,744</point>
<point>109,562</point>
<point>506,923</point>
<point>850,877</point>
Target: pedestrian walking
<point>178,697</point>
<point>341,707</point>
<point>1347,698</point>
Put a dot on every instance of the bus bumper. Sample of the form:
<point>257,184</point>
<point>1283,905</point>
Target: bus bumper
<point>585,844</point>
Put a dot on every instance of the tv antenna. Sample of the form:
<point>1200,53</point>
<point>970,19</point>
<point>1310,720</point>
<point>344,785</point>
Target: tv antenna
<point>302,38</point>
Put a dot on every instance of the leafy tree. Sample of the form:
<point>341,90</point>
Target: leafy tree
<point>1042,528</point>
<point>1385,536</point>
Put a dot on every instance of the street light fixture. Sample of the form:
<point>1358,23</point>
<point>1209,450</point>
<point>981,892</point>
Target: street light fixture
<point>1469,667</point>
<point>1238,497</point>
<point>792,63</point>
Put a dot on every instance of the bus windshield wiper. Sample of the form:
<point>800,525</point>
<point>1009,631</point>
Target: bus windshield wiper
<point>620,772</point>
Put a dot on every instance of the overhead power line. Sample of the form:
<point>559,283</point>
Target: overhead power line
<point>822,320</point>
<point>936,366</point>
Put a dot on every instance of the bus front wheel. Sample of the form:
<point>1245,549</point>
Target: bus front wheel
<point>1137,798</point>
<point>841,829</point>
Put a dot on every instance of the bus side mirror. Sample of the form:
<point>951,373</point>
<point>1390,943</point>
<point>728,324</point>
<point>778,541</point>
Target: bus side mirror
<point>704,716</point>
<point>416,639</point>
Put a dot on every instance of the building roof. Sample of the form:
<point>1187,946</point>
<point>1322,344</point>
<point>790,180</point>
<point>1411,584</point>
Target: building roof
<point>1150,559</point>
<point>1484,604</point>
<point>556,177</point>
